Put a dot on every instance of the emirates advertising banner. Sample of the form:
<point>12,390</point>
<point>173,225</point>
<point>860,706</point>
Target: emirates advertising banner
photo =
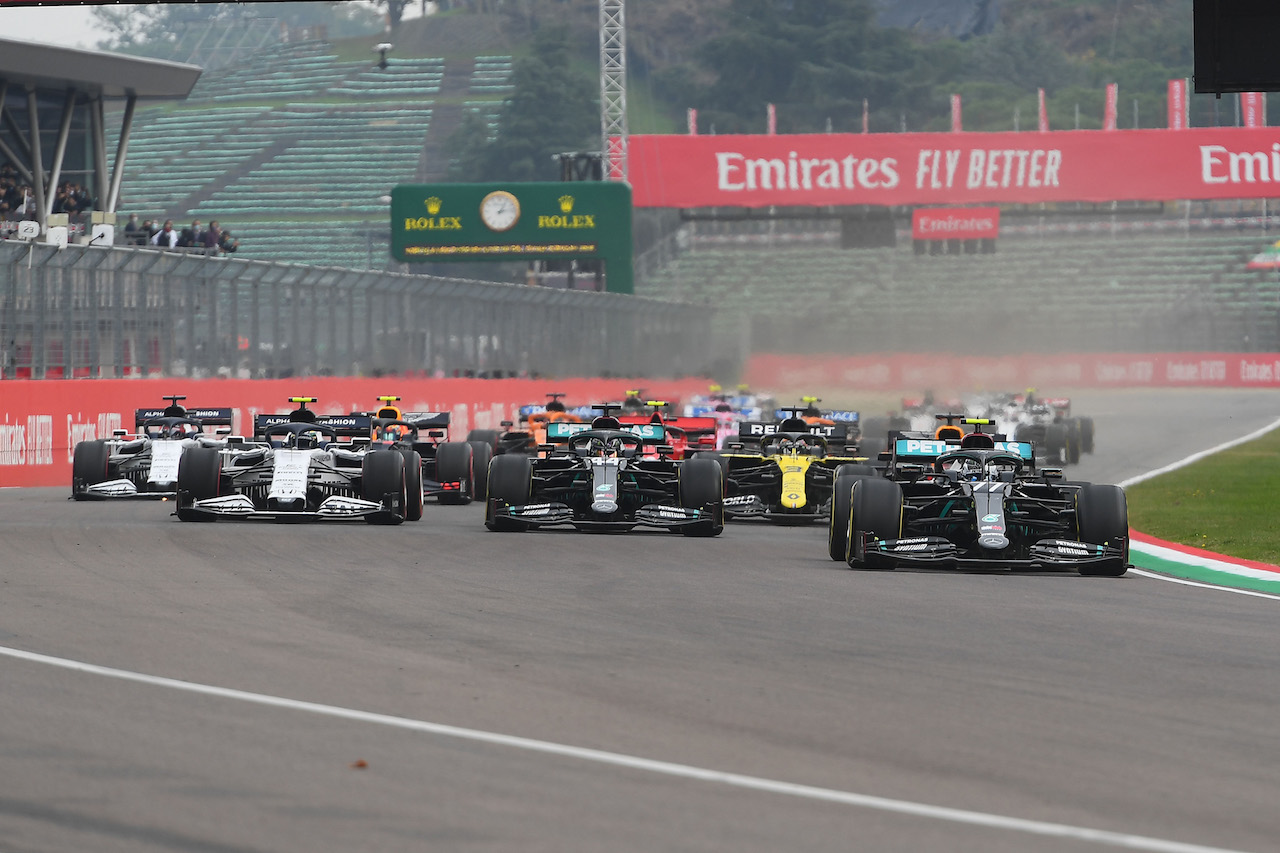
<point>954,168</point>
<point>955,223</point>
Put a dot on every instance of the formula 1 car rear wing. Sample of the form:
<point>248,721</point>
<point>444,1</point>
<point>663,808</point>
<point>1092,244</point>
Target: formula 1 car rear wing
<point>843,416</point>
<point>206,417</point>
<point>561,431</point>
<point>428,420</point>
<point>753,431</point>
<point>351,426</point>
<point>927,450</point>
<point>689,425</point>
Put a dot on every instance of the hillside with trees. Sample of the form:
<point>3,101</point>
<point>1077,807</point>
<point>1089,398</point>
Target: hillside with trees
<point>815,60</point>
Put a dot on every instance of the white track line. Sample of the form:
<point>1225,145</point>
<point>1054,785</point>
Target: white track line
<point>685,771</point>
<point>1196,457</point>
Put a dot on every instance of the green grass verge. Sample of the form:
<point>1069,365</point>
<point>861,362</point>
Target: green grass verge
<point>1225,503</point>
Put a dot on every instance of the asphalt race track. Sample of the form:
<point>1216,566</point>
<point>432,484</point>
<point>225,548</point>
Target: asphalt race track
<point>908,711</point>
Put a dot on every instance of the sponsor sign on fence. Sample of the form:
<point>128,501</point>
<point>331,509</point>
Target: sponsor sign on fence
<point>955,223</point>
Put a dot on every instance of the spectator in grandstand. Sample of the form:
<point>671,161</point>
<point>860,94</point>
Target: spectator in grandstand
<point>166,237</point>
<point>227,243</point>
<point>134,235</point>
<point>192,236</point>
<point>27,206</point>
<point>211,238</point>
<point>71,199</point>
<point>16,201</point>
<point>10,198</point>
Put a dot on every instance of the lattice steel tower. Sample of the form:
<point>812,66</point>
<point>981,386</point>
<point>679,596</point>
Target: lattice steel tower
<point>613,88</point>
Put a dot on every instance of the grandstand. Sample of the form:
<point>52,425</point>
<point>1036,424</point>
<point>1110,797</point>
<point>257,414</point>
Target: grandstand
<point>295,150</point>
<point>1180,290</point>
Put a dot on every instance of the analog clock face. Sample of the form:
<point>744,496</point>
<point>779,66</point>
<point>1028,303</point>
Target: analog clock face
<point>499,210</point>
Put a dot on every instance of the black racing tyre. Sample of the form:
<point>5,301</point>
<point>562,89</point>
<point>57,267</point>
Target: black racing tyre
<point>1022,433</point>
<point>701,486</point>
<point>199,474</point>
<point>1055,442</point>
<point>454,463</point>
<point>481,453</point>
<point>488,436</point>
<point>89,466</point>
<point>1073,440</point>
<point>875,508</point>
<point>718,457</point>
<point>510,482</point>
<point>382,474</point>
<point>1102,516</point>
<point>841,503</point>
<point>412,485</point>
<point>1086,435</point>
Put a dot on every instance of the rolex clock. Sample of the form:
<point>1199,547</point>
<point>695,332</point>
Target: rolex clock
<point>499,210</point>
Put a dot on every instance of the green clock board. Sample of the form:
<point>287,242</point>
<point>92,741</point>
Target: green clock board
<point>515,222</point>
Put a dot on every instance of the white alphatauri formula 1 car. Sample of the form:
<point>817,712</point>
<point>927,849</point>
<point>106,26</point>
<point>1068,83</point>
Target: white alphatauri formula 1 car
<point>302,467</point>
<point>143,464</point>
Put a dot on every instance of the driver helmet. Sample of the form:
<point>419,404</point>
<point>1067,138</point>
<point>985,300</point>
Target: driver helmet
<point>963,465</point>
<point>394,432</point>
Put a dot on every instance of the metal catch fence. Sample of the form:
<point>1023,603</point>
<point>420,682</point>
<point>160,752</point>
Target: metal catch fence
<point>84,311</point>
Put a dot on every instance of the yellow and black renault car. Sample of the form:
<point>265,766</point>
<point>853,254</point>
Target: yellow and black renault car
<point>784,470</point>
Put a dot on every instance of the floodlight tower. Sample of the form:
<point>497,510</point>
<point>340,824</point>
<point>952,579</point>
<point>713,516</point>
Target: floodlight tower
<point>613,88</point>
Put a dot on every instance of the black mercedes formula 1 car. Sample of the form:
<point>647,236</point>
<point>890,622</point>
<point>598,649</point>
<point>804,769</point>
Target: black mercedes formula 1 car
<point>597,477</point>
<point>976,502</point>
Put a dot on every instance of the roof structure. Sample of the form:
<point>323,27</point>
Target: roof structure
<point>56,94</point>
<point>96,73</point>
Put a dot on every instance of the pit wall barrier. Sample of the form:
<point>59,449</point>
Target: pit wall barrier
<point>957,373</point>
<point>44,420</point>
